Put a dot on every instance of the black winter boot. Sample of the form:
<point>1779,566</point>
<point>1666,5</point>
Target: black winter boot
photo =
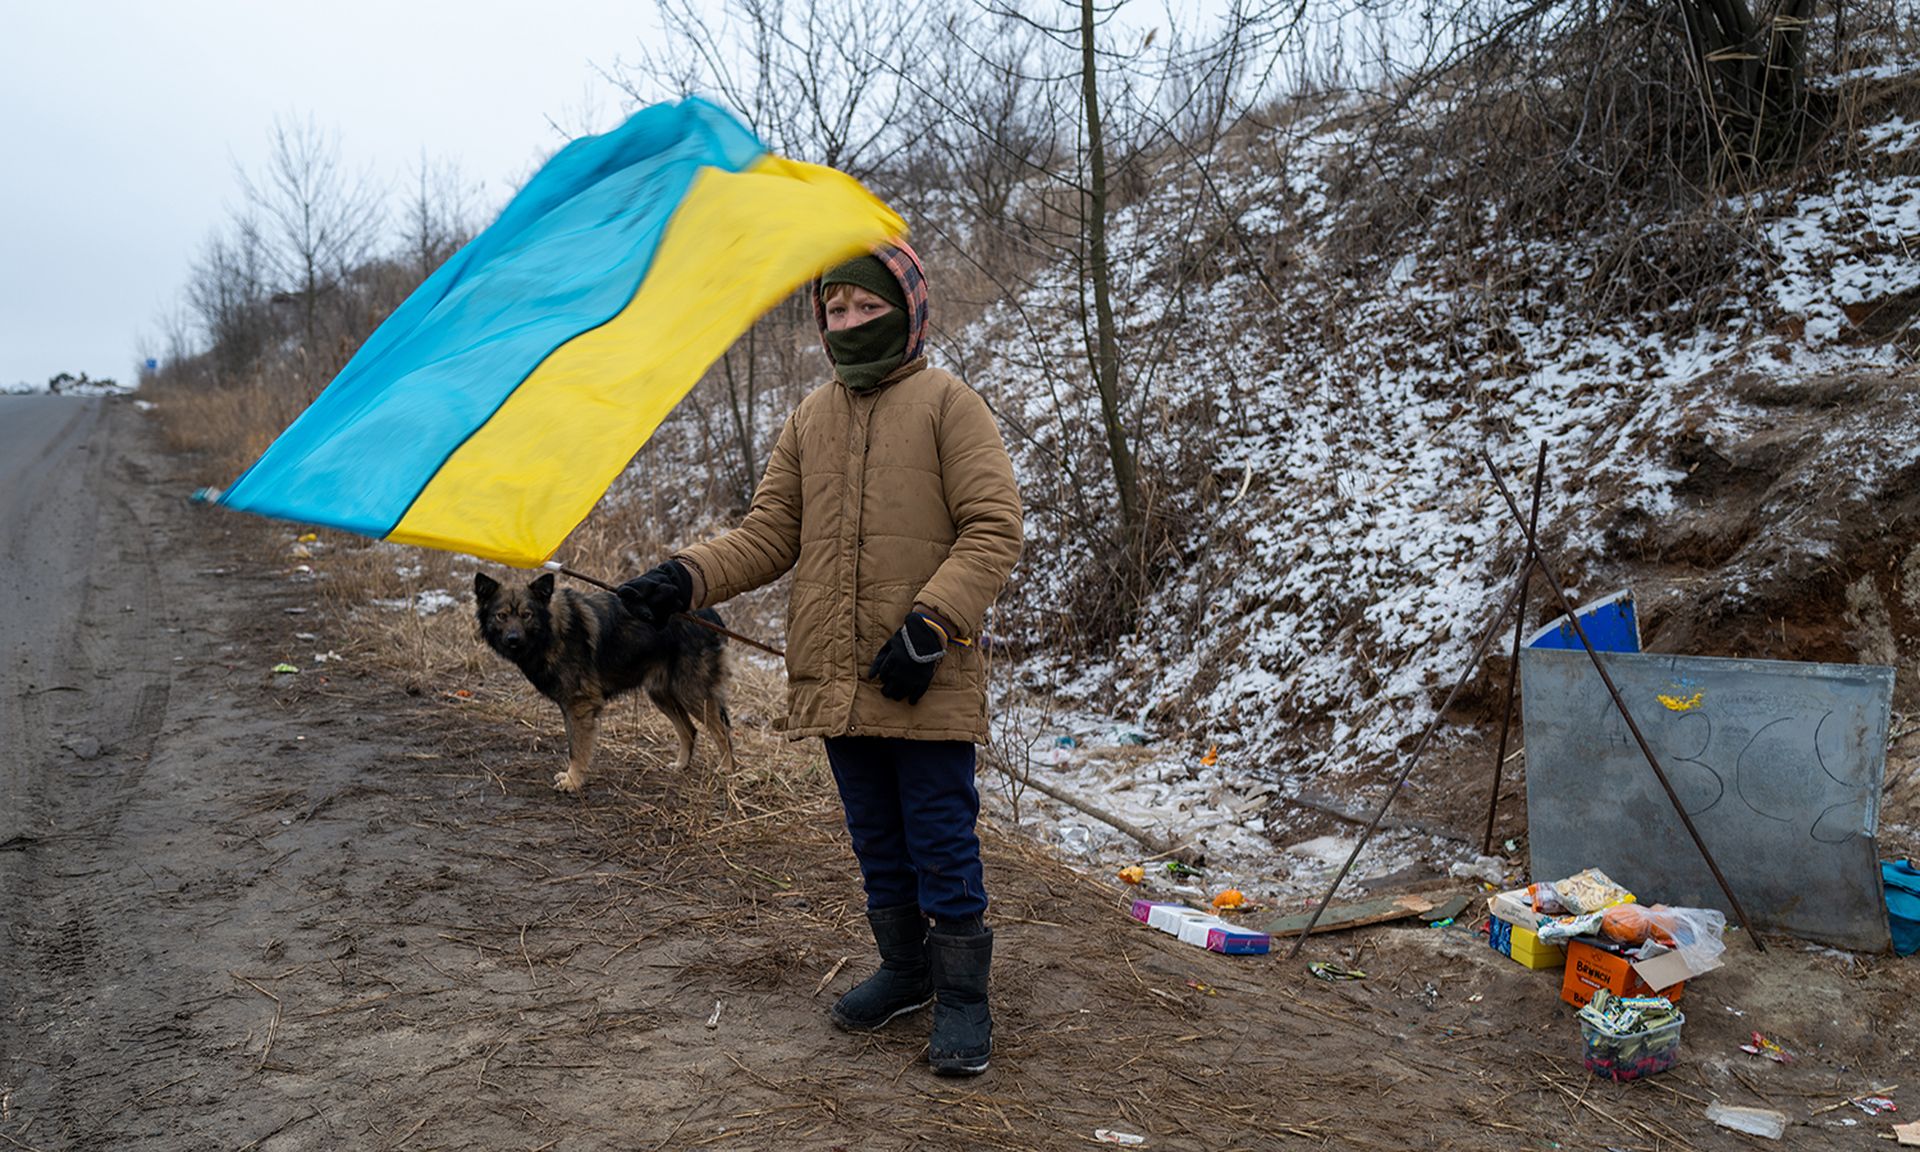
<point>961,955</point>
<point>902,984</point>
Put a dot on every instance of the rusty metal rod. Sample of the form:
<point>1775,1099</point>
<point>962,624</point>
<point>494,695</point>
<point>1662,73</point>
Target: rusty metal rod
<point>1545,565</point>
<point>1439,717</point>
<point>687,616</point>
<point>1513,669</point>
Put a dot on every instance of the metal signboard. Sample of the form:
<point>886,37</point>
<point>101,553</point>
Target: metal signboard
<point>1778,764</point>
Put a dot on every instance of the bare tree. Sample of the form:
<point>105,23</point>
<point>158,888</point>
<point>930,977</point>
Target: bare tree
<point>228,292</point>
<point>1738,65</point>
<point>1105,352</point>
<point>1126,109</point>
<point>817,81</point>
<point>1751,59</point>
<point>319,220</point>
<point>438,215</point>
<point>1014,143</point>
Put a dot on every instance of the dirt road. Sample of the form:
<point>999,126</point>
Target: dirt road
<point>334,909</point>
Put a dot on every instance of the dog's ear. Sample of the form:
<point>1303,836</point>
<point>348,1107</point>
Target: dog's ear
<point>484,586</point>
<point>542,588</point>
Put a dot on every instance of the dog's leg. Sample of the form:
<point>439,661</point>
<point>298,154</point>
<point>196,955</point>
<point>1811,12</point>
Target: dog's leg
<point>682,726</point>
<point>714,717</point>
<point>583,724</point>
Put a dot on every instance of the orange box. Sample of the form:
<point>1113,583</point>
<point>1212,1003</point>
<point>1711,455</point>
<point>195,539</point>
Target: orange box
<point>1590,968</point>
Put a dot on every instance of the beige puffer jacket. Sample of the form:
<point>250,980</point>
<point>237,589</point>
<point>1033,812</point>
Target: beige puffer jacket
<point>878,500</point>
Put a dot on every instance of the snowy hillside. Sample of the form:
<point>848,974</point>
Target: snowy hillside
<point>1350,548</point>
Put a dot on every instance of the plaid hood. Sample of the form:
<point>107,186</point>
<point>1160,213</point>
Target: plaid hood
<point>904,263</point>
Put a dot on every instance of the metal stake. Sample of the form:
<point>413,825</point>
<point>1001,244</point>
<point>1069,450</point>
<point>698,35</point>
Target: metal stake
<point>1513,669</point>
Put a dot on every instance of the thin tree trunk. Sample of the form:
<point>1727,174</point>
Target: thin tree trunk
<point>1751,65</point>
<point>1106,341</point>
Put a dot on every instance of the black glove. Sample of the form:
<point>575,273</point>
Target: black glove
<point>905,664</point>
<point>654,597</point>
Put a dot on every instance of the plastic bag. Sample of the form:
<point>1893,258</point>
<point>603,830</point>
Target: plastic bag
<point>1695,933</point>
<point>1565,928</point>
<point>1545,900</point>
<point>1579,894</point>
<point>1634,924</point>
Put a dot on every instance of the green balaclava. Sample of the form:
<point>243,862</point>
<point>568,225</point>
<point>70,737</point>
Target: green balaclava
<point>865,353</point>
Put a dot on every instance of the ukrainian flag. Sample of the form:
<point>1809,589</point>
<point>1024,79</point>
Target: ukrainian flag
<point>493,408</point>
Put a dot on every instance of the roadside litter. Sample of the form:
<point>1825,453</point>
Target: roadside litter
<point>1522,945</point>
<point>1582,893</point>
<point>1491,869</point>
<point>1365,912</point>
<point>1201,929</point>
<point>1876,1096</point>
<point>1329,971</point>
<point>1762,1046</point>
<point>1763,1122</point>
<point>1594,925</point>
<point>1627,1037</point>
<point>1624,964</point>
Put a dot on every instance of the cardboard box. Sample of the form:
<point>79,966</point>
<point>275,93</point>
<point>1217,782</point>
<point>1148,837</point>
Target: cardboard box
<point>1522,946</point>
<point>1593,964</point>
<point>1515,907</point>
<point>1202,929</point>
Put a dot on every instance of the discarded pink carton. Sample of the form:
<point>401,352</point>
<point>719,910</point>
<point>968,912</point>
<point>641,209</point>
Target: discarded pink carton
<point>1201,929</point>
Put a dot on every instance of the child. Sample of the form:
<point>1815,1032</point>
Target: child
<point>890,494</point>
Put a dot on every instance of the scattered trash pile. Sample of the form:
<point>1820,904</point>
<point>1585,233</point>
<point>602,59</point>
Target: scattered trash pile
<point>1624,964</point>
<point>1604,938</point>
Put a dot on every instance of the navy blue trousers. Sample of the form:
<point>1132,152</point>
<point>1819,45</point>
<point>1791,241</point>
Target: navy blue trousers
<point>911,808</point>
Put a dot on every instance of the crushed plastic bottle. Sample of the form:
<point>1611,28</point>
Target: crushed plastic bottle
<point>1763,1122</point>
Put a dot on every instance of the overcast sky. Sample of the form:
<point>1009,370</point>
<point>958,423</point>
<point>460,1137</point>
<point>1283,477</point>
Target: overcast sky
<point>121,124</point>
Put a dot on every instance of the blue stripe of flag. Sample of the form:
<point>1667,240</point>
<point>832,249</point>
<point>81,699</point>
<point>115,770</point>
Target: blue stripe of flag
<point>564,257</point>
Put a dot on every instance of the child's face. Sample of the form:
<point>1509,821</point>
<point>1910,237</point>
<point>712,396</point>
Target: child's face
<point>849,306</point>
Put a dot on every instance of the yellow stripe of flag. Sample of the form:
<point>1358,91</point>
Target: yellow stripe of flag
<point>739,242</point>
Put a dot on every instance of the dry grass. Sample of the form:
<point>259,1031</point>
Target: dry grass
<point>228,425</point>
